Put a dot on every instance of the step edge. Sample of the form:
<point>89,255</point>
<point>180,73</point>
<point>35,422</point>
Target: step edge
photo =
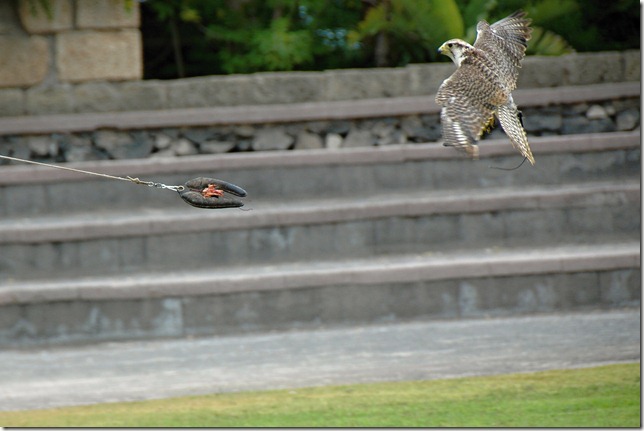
<point>144,168</point>
<point>543,260</point>
<point>320,212</point>
<point>293,112</point>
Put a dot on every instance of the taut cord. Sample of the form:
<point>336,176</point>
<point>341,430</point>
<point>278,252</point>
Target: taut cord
<point>113,177</point>
<point>199,192</point>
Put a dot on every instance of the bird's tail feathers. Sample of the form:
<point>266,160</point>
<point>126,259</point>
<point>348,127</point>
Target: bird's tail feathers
<point>510,120</point>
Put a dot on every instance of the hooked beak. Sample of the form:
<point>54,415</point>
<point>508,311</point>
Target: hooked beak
<point>442,49</point>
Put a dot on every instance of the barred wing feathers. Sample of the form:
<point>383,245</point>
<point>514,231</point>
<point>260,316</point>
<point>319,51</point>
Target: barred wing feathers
<point>468,106</point>
<point>505,42</point>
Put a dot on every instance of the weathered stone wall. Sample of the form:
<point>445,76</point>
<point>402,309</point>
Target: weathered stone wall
<point>607,116</point>
<point>43,54</point>
<point>87,57</point>
<point>297,87</point>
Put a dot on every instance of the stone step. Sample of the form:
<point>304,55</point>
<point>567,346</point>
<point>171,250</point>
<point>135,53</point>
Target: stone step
<point>308,230</point>
<point>458,284</point>
<point>258,113</point>
<point>281,176</point>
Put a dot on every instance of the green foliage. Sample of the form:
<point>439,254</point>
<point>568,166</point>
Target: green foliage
<point>252,35</point>
<point>45,5</point>
<point>203,37</point>
<point>473,12</point>
<point>585,25</point>
<point>598,25</point>
<point>274,48</point>
<point>414,27</point>
<point>257,36</point>
<point>545,42</point>
<point>607,396</point>
<point>35,6</point>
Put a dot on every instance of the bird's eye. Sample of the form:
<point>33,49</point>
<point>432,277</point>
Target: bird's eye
<point>449,45</point>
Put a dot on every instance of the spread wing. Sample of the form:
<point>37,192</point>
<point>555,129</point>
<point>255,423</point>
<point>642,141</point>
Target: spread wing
<point>505,43</point>
<point>467,100</point>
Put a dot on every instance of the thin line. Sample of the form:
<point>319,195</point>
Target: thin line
<point>81,171</point>
<point>65,168</point>
<point>509,169</point>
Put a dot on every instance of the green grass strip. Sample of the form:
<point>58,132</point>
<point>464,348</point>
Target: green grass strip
<point>607,396</point>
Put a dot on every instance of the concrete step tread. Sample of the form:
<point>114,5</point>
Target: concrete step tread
<point>303,111</point>
<point>459,264</point>
<point>153,167</point>
<point>110,224</point>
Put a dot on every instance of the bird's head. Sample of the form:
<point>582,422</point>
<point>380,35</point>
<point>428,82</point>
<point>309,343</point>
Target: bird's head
<point>455,49</point>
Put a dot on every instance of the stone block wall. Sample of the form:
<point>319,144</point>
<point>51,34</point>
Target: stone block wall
<point>281,87</point>
<point>85,56</point>
<point>600,117</point>
<point>74,41</point>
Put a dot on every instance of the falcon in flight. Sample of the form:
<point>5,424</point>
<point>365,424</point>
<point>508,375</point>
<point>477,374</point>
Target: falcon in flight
<point>481,87</point>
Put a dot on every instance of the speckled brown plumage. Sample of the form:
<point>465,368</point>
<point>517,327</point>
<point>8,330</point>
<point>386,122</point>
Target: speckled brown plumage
<point>481,87</point>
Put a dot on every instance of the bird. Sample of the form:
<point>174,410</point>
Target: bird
<point>480,88</point>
